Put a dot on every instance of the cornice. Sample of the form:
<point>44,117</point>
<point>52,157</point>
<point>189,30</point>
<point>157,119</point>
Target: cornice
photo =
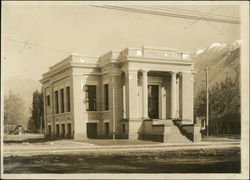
<point>158,60</point>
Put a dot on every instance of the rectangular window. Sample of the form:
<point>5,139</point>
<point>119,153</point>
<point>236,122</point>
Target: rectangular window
<point>68,98</point>
<point>69,129</point>
<point>123,128</point>
<point>63,130</point>
<point>106,97</point>
<point>48,100</point>
<point>49,127</point>
<point>56,103</point>
<point>62,100</point>
<point>106,129</point>
<point>90,97</point>
<point>57,130</point>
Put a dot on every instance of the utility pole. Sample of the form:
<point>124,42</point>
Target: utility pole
<point>207,103</point>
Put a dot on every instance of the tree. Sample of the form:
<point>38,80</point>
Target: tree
<point>224,106</point>
<point>14,109</point>
<point>36,120</point>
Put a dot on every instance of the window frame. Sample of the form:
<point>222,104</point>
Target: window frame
<point>56,102</point>
<point>62,103</point>
<point>68,103</point>
<point>106,97</point>
<point>87,91</point>
<point>48,100</point>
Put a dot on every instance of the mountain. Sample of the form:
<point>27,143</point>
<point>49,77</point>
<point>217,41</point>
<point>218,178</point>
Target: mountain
<point>24,88</point>
<point>223,60</point>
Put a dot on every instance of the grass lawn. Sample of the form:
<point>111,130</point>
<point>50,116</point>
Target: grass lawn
<point>180,161</point>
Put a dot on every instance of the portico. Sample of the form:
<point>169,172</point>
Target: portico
<point>164,91</point>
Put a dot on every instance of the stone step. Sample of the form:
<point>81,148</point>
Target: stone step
<point>176,135</point>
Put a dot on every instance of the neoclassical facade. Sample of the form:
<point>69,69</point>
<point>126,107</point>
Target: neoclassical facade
<point>144,93</point>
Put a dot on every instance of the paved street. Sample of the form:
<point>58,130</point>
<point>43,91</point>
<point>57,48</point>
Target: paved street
<point>67,146</point>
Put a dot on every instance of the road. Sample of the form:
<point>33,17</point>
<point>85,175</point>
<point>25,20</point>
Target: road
<point>49,149</point>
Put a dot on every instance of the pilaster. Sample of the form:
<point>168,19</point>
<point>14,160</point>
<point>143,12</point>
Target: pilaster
<point>116,102</point>
<point>145,93</point>
<point>80,124</point>
<point>173,94</point>
<point>187,97</point>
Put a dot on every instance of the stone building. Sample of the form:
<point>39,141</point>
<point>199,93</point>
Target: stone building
<point>144,93</point>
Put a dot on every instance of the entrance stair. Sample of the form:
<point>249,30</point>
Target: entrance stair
<point>176,136</point>
<point>174,133</point>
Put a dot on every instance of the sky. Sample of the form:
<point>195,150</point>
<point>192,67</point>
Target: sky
<point>94,31</point>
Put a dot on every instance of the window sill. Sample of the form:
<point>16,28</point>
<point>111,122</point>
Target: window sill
<point>96,111</point>
<point>62,113</point>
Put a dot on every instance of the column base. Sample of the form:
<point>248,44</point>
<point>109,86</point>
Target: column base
<point>197,137</point>
<point>80,137</point>
<point>133,136</point>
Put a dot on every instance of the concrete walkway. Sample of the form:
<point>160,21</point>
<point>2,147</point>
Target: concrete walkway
<point>81,147</point>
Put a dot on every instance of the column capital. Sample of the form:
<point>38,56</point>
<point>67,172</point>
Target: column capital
<point>173,72</point>
<point>183,73</point>
<point>132,71</point>
<point>115,73</point>
<point>144,70</point>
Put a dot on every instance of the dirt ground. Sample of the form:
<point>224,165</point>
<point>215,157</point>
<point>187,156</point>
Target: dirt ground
<point>181,161</point>
<point>199,160</point>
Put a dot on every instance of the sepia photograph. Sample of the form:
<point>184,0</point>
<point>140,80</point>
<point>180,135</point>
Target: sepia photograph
<point>125,90</point>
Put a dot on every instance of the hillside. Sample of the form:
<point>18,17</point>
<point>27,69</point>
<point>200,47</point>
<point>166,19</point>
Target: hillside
<point>222,61</point>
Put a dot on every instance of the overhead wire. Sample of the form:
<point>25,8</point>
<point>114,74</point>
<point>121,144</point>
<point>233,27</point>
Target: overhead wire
<point>196,12</point>
<point>176,15</point>
<point>207,14</point>
<point>36,45</point>
<point>172,12</point>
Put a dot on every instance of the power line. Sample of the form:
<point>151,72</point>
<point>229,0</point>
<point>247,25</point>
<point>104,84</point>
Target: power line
<point>26,44</point>
<point>176,15</point>
<point>197,12</point>
<point>36,45</point>
<point>202,17</point>
<point>207,101</point>
<point>211,24</point>
<point>185,12</point>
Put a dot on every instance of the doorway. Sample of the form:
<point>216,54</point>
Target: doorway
<point>153,101</point>
<point>92,130</point>
<point>106,129</point>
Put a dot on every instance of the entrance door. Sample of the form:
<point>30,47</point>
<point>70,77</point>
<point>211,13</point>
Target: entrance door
<point>153,101</point>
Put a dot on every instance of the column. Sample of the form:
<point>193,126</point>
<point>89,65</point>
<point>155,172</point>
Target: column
<point>80,124</point>
<point>45,105</point>
<point>173,94</point>
<point>116,103</point>
<point>145,93</point>
<point>187,97</point>
<point>131,94</point>
<point>124,101</point>
<point>134,122</point>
